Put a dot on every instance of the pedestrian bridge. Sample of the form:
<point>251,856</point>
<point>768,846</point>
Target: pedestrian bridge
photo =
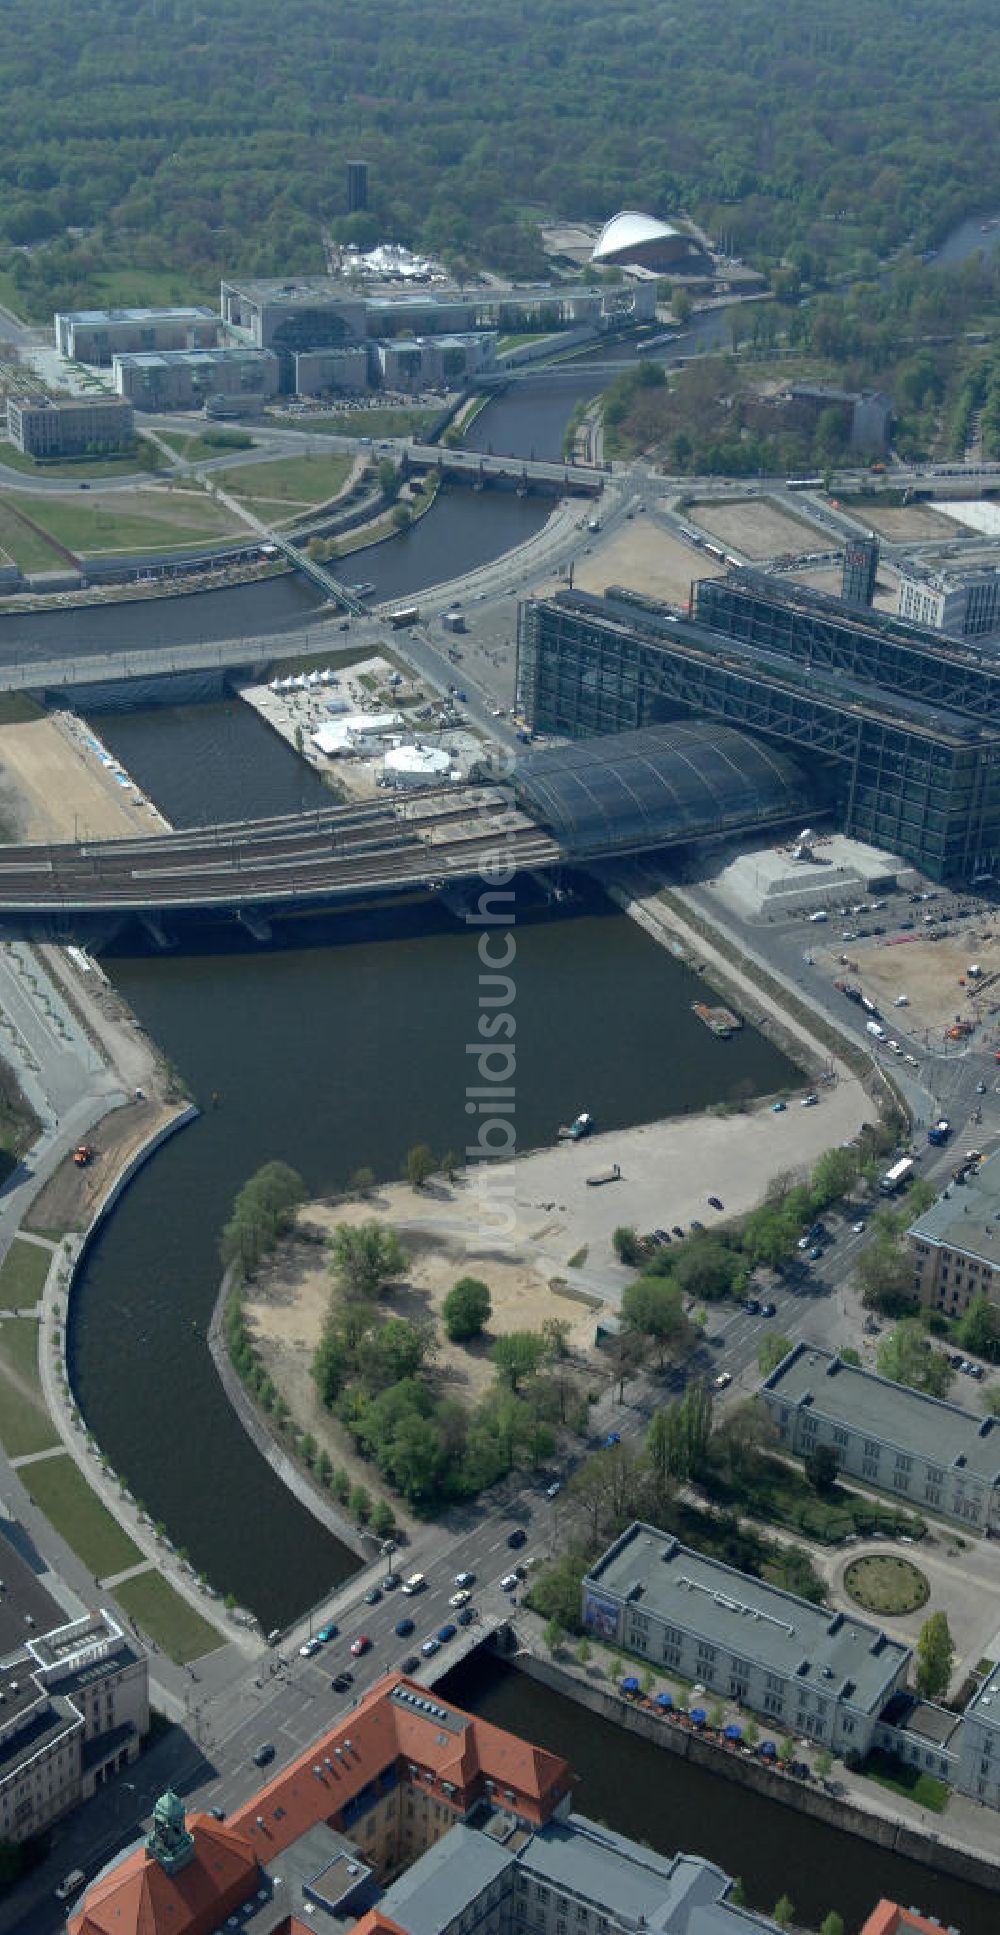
<point>565,807</point>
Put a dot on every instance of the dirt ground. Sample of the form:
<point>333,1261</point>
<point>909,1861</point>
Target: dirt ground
<point>756,528</point>
<point>828,578</point>
<point>644,558</point>
<point>54,787</point>
<point>70,1198</point>
<point>928,972</point>
<point>902,521</point>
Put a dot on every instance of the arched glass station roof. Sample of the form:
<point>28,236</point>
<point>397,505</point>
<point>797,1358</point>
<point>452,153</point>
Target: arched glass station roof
<point>623,792</point>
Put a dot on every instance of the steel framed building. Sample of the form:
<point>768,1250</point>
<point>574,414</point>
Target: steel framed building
<point>900,734</point>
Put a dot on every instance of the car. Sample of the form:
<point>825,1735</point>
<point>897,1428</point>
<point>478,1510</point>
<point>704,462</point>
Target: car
<point>307,1650</point>
<point>217,1813</point>
<point>84,486</point>
<point>768,1309</point>
<point>465,1578</point>
<point>391,1581</point>
<point>613,1438</point>
<point>509,1582</point>
<point>678,1230</point>
<point>467,1615</point>
<point>858,1229</point>
<point>695,1225</point>
<point>373,1597</point>
<point>403,1628</point>
<point>809,1101</point>
<point>262,1756</point>
<point>460,1598</point>
<point>553,1490</point>
<point>980,1088</point>
<point>778,1108</point>
<point>715,1202</point>
<point>446,1632</point>
<point>409,1664</point>
<point>517,1538</point>
<point>326,1633</point>
<point>815,1253</point>
<point>342,1682</point>
<point>663,1235</point>
<point>723,1381</point>
<point>360,1645</point>
<point>955,1361</point>
<point>70,1884</point>
<point>430,1647</point>
<point>751,1306</point>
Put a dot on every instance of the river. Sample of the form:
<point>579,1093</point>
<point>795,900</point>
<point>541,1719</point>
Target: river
<point>658,1798</point>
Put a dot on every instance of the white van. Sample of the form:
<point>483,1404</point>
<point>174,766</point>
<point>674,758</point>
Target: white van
<point>415,1583</point>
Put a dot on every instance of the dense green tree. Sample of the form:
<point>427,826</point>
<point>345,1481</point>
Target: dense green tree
<point>773,1348</point>
<point>935,1657</point>
<point>517,1355</point>
<point>821,1466</point>
<point>366,1258</point>
<point>419,1165</point>
<point>654,1307</point>
<point>907,1356</point>
<point>978,1331</point>
<point>466,1309</point>
<point>625,1243</point>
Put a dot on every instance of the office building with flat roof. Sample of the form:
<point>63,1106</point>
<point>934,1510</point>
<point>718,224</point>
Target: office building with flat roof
<point>827,1675</point>
<point>929,1454</point>
<point>74,1702</point>
<point>955,1245</point>
<point>187,379</point>
<point>331,369</point>
<point>408,1817</point>
<point>94,335</point>
<point>860,574</point>
<point>965,604</point>
<point>70,426</point>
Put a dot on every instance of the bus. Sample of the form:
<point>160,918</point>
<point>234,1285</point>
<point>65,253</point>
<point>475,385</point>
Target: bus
<point>405,615</point>
<point>895,1177</point>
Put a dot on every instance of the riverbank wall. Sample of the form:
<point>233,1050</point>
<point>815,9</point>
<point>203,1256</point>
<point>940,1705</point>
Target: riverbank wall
<point>896,1836</point>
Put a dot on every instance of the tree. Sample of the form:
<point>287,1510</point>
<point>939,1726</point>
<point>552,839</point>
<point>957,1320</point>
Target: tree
<point>680,305</point>
<point>824,1763</point>
<point>553,1634</point>
<point>935,1657</point>
<point>977,1331</point>
<point>467,1309</point>
<point>653,1306</point>
<point>401,517</point>
<point>517,1356</point>
<point>907,1356</point>
<point>361,1182</point>
<point>771,1352</point>
<point>361,1502</point>
<point>821,1467</point>
<point>707,1269</point>
<point>366,1258</point>
<point>745,1432</point>
<point>834,1174</point>
<point>450,1165</point>
<point>885,1274</point>
<point>383,1519</point>
<point>832,1924</point>
<point>583,1650</point>
<point>419,1165</point>
<point>625,1243</point>
<point>784,1911</point>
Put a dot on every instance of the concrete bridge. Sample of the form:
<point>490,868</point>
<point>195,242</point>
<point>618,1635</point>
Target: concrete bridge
<point>480,468</point>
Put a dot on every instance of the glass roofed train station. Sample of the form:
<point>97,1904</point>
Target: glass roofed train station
<point>898,730</point>
<point>657,787</point>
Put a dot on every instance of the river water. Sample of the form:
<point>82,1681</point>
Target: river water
<point>657,1798</point>
<point>341,1052</point>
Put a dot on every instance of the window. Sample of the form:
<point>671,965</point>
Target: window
<point>869,1468</point>
<point>541,1892</point>
<point>872,1447</point>
<point>903,1463</point>
<point>706,1652</point>
<point>839,1435</point>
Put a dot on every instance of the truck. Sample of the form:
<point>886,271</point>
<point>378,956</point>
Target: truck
<point>896,1177</point>
<point>875,1028</point>
<point>939,1131</point>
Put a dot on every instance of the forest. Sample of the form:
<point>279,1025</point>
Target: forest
<point>148,145</point>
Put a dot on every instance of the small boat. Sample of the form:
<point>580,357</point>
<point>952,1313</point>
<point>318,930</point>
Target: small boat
<point>577,1130</point>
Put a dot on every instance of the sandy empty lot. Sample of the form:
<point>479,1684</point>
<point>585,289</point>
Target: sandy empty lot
<point>828,578</point>
<point>929,973</point>
<point>756,527</point>
<point>644,558</point>
<point>903,521</point>
<point>54,788</point>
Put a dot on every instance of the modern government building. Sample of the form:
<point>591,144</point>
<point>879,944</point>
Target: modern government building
<point>897,728</point>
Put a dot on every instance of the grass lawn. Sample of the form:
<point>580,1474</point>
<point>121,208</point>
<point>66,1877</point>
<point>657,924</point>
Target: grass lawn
<point>771,1490</point>
<point>130,522</point>
<point>19,1349</point>
<point>146,457</point>
<point>361,423</point>
<point>883,1583</point>
<point>24,1425</point>
<point>900,1778</point>
<point>28,548</point>
<point>22,1275</point>
<point>177,1628</point>
<point>192,445</point>
<point>312,479</point>
<point>60,1490</point>
<point>18,709</point>
<point>506,343</point>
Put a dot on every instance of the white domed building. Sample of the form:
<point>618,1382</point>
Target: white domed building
<point>635,241</point>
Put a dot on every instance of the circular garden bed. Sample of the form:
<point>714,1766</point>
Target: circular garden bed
<point>883,1583</point>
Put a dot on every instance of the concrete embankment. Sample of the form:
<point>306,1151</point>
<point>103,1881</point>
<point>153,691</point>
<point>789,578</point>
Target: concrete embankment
<point>883,1830</point>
